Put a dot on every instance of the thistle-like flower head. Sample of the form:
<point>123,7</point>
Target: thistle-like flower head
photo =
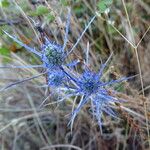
<point>53,55</point>
<point>89,82</point>
<point>56,78</point>
<point>91,88</point>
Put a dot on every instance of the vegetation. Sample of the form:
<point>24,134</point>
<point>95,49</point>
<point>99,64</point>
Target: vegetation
<point>74,75</point>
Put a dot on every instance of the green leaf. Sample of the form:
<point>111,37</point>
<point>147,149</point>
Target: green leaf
<point>5,52</point>
<point>79,9</point>
<point>5,3</point>
<point>103,5</point>
<point>49,18</point>
<point>42,10</point>
<point>64,2</point>
<point>31,13</point>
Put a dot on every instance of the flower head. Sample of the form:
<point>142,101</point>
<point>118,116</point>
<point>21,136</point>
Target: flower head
<point>88,82</point>
<point>56,79</point>
<point>53,55</point>
<point>91,88</point>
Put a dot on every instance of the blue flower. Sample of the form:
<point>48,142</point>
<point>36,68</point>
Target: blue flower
<point>53,55</point>
<point>88,82</point>
<point>88,85</point>
<point>91,88</point>
<point>56,79</point>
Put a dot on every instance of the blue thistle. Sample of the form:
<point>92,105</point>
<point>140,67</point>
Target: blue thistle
<point>56,79</point>
<point>88,82</point>
<point>90,87</point>
<point>52,55</point>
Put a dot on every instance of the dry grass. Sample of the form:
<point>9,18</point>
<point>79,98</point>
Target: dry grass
<point>25,126</point>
